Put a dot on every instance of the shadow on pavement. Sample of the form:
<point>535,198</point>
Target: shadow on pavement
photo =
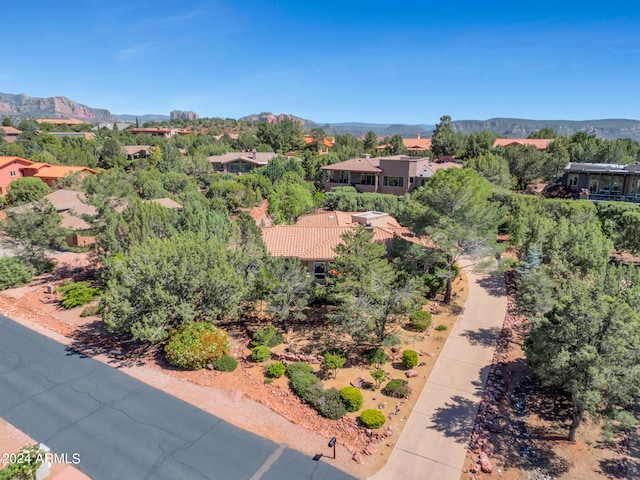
<point>486,337</point>
<point>494,285</point>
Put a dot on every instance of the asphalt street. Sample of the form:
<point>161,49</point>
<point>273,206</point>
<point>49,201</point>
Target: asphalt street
<point>121,428</point>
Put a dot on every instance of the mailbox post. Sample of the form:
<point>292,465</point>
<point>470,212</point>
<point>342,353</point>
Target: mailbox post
<point>332,443</point>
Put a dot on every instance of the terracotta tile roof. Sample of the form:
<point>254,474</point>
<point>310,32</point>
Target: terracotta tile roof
<point>315,237</point>
<point>60,121</point>
<point>357,165</point>
<point>327,142</point>
<point>417,143</point>
<point>59,171</point>
<point>7,160</point>
<point>539,143</point>
<point>38,165</point>
<point>11,130</point>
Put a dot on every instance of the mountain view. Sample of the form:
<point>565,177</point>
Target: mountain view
<point>23,106</point>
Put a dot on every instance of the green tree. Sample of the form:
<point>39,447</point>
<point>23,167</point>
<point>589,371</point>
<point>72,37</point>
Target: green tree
<point>370,141</point>
<point>588,346</point>
<point>492,167</point>
<point>282,137</point>
<point>546,132</point>
<point>334,362</point>
<point>396,145</point>
<point>454,209</point>
<point>288,202</point>
<point>288,288</point>
<point>525,164</point>
<point>446,142</point>
<point>161,284</point>
<point>25,190</point>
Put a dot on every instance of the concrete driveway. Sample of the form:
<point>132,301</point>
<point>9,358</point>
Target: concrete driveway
<point>120,428</point>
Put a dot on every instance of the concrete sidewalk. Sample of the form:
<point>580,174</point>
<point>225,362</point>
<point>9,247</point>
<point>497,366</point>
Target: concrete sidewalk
<point>434,442</point>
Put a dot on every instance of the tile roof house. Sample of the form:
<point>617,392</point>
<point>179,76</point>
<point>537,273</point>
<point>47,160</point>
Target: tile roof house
<point>137,151</point>
<point>603,181</point>
<point>11,168</point>
<point>397,174</point>
<point>324,145</point>
<point>539,143</point>
<point>313,238</point>
<point>10,133</point>
<point>417,144</point>
<point>240,162</point>
<point>52,174</point>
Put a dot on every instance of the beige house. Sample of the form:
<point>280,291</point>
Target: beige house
<point>397,174</point>
<point>313,238</point>
<point>240,162</point>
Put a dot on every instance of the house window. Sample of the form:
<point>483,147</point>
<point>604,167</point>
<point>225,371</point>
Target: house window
<point>605,184</point>
<point>343,177</point>
<point>411,180</point>
<point>393,181</point>
<point>319,270</point>
<point>12,173</point>
<point>633,188</point>
<point>593,184</point>
<point>235,167</point>
<point>217,167</point>
<point>616,184</point>
<point>367,179</point>
<point>573,180</point>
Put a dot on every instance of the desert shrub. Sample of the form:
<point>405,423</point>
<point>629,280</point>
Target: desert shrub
<point>268,337</point>
<point>442,328</point>
<point>275,370</point>
<point>225,363</point>
<point>14,272</point>
<point>295,368</point>
<point>330,404</point>
<point>268,381</point>
<point>375,355</point>
<point>75,294</point>
<point>43,265</point>
<point>90,310</point>
<point>397,388</point>
<point>352,398</point>
<point>372,418</point>
<point>261,353</point>
<point>307,387</point>
<point>379,376</point>
<point>196,345</point>
<point>333,361</point>
<point>409,358</point>
<point>391,340</point>
<point>420,320</point>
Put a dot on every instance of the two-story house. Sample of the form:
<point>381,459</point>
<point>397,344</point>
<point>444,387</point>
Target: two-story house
<point>603,181</point>
<point>11,168</point>
<point>397,174</point>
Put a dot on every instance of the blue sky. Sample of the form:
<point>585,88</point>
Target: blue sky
<point>331,61</point>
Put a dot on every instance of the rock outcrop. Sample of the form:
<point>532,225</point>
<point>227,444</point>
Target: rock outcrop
<point>180,115</point>
<point>22,106</point>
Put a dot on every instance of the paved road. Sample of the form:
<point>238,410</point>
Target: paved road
<point>434,442</point>
<point>122,428</point>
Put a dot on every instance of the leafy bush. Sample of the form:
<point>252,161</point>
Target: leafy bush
<point>379,376</point>
<point>330,404</point>
<point>307,387</point>
<point>391,340</point>
<point>261,353</point>
<point>420,320</point>
<point>268,337</point>
<point>268,381</point>
<point>409,358</point>
<point>75,294</point>
<point>90,311</point>
<point>225,363</point>
<point>295,368</point>
<point>196,345</point>
<point>375,355</point>
<point>442,328</point>
<point>397,388</point>
<point>333,361</point>
<point>372,418</point>
<point>352,398</point>
<point>275,370</point>
<point>14,272</point>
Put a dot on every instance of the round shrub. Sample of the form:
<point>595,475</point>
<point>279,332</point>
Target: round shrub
<point>261,353</point>
<point>375,355</point>
<point>420,320</point>
<point>269,337</point>
<point>409,358</point>
<point>372,418</point>
<point>442,328</point>
<point>226,363</point>
<point>275,370</point>
<point>196,345</point>
<point>75,294</point>
<point>352,398</point>
<point>14,272</point>
<point>330,405</point>
<point>307,387</point>
<point>297,367</point>
<point>397,388</point>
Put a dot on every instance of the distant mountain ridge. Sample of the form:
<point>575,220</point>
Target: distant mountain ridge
<point>22,106</point>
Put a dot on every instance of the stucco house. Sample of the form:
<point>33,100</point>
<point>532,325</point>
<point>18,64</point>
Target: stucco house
<point>240,162</point>
<point>603,181</point>
<point>396,174</point>
<point>540,143</point>
<point>313,238</point>
<point>11,168</point>
<point>10,133</point>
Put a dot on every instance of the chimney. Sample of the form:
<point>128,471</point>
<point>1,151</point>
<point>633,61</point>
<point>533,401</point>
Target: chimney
<point>368,227</point>
<point>367,156</point>
<point>254,154</point>
<point>418,136</point>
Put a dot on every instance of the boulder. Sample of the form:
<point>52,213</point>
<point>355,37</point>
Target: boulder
<point>485,464</point>
<point>411,373</point>
<point>358,382</point>
<point>371,449</point>
<point>357,458</point>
